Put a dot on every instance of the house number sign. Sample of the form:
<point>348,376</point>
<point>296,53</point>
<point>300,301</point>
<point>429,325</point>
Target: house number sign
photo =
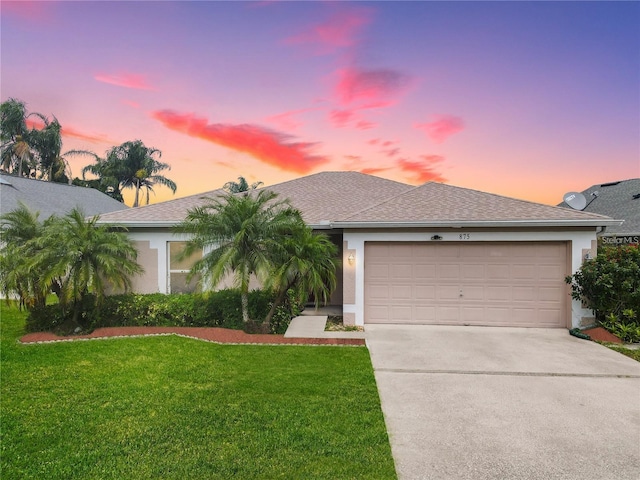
<point>464,236</point>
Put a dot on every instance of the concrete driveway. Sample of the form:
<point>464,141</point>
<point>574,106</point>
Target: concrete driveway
<point>506,403</point>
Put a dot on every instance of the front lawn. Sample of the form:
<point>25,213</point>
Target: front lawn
<point>629,352</point>
<point>171,407</point>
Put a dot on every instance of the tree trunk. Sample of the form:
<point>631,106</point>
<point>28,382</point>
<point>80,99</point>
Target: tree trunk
<point>277,302</point>
<point>244,299</point>
<point>135,203</point>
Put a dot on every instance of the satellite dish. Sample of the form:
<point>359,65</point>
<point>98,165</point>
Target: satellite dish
<point>575,200</point>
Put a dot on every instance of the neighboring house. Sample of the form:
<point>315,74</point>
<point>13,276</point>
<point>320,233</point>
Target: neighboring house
<point>432,254</point>
<point>618,200</point>
<point>50,198</point>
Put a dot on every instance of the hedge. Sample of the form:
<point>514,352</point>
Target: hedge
<point>211,309</point>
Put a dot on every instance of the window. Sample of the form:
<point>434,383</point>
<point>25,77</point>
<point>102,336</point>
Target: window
<point>179,269</point>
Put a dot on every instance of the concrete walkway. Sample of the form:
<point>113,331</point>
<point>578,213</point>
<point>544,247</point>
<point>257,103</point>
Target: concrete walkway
<point>312,326</point>
<point>506,403</point>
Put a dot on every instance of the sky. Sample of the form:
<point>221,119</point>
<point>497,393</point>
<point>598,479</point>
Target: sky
<point>524,99</point>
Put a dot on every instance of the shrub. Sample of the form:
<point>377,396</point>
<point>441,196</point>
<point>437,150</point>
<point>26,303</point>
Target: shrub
<point>211,309</point>
<point>610,286</point>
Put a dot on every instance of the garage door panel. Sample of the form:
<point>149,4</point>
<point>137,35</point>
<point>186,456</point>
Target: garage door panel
<point>523,272</point>
<point>471,314</point>
<point>402,313</point>
<point>525,294</point>
<point>473,293</point>
<point>449,271</point>
<point>498,271</point>
<point>378,314</point>
<point>402,272</point>
<point>379,294</point>
<point>447,292</point>
<point>550,272</point>
<point>448,314</point>
<point>378,272</point>
<point>400,292</point>
<point>424,272</point>
<point>501,283</point>
<point>499,293</point>
<point>424,292</point>
<point>424,314</point>
<point>473,272</point>
<point>551,294</point>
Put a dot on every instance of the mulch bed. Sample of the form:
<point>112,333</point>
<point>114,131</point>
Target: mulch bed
<point>209,334</point>
<point>601,335</point>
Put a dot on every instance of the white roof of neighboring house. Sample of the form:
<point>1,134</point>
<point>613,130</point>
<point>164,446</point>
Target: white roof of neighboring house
<point>357,200</point>
<point>50,198</point>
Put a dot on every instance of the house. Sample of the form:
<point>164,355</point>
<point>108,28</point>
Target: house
<point>618,200</point>
<point>432,254</point>
<point>50,198</point>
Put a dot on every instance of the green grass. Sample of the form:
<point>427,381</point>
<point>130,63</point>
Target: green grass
<point>629,352</point>
<point>170,407</point>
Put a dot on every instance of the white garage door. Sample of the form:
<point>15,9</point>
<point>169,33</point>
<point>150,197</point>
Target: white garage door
<point>479,283</point>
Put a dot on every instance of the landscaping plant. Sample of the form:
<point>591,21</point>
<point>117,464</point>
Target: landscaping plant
<point>610,285</point>
<point>71,256</point>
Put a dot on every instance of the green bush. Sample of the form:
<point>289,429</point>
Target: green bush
<point>211,309</point>
<point>610,286</point>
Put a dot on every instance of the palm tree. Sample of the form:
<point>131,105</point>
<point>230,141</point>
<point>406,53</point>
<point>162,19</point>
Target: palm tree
<point>241,235</point>
<point>47,144</point>
<point>240,186</point>
<point>88,257</point>
<point>135,167</point>
<point>107,177</point>
<point>15,149</point>
<point>19,275</point>
<point>308,266</point>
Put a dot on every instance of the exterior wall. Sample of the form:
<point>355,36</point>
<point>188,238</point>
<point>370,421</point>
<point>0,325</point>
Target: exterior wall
<point>154,280</point>
<point>154,255</point>
<point>148,258</point>
<point>353,286</point>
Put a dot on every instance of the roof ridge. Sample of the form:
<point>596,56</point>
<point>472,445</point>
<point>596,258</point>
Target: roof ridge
<point>386,200</point>
<point>329,172</point>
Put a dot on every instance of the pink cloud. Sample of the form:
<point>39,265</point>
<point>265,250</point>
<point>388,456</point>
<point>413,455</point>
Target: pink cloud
<point>365,125</point>
<point>442,127</point>
<point>287,120</point>
<point>374,170</point>
<point>32,11</point>
<point>341,118</point>
<point>369,88</point>
<point>422,171</point>
<point>374,141</point>
<point>392,152</point>
<point>66,131</point>
<point>131,103</point>
<point>126,80</point>
<point>339,31</point>
<point>266,145</point>
<point>72,132</point>
<point>350,117</point>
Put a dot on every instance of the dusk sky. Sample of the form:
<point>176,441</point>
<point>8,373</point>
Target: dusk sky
<point>523,99</point>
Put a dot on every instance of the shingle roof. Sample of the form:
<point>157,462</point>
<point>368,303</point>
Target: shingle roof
<point>616,199</point>
<point>437,202</point>
<point>355,199</point>
<point>325,196</point>
<point>170,212</point>
<point>50,198</point>
<point>331,196</point>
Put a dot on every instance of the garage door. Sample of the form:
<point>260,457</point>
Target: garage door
<point>481,283</point>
